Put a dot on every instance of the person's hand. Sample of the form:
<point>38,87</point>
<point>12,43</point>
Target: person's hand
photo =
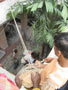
<point>36,80</point>
<point>48,60</point>
<point>38,64</point>
<point>18,81</point>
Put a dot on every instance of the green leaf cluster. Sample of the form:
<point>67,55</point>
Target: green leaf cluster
<point>17,8</point>
<point>51,17</point>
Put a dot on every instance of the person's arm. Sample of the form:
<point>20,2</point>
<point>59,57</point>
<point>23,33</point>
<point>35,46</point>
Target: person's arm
<point>38,64</point>
<point>47,60</point>
<point>36,81</point>
<point>18,81</point>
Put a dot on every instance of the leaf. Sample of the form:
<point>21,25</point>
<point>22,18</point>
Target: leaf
<point>30,6</point>
<point>57,11</point>
<point>49,6</point>
<point>49,39</point>
<point>9,15</point>
<point>63,28</point>
<point>40,5</point>
<point>64,13</point>
<point>57,22</point>
<point>21,10</point>
<point>15,12</point>
<point>34,7</point>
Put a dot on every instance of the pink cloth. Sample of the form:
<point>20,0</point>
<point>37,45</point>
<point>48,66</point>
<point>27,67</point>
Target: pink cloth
<point>6,83</point>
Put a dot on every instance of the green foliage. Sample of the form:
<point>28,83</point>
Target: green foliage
<point>34,7</point>
<point>50,18</point>
<point>17,8</point>
<point>62,26</point>
<point>40,4</point>
<point>49,6</point>
<point>64,13</point>
<point>43,31</point>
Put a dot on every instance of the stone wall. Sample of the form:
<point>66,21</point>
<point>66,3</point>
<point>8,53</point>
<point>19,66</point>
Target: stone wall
<point>3,40</point>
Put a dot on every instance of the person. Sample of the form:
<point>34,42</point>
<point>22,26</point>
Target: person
<point>35,55</point>
<point>31,57</point>
<point>35,85</point>
<point>46,60</point>
<point>36,81</point>
<point>55,74</point>
<point>64,87</point>
<point>16,61</point>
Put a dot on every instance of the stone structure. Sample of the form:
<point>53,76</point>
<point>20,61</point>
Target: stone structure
<point>3,40</point>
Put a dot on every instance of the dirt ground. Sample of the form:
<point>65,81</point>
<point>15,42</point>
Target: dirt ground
<point>14,42</point>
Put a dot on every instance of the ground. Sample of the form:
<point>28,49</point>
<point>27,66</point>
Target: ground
<point>14,42</point>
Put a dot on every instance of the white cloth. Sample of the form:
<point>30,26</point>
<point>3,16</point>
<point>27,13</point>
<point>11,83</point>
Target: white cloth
<point>4,6</point>
<point>59,77</point>
<point>52,53</point>
<point>29,58</point>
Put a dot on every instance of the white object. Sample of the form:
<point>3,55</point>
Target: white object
<point>59,77</point>
<point>4,6</point>
<point>22,88</point>
<point>28,58</point>
<point>52,53</point>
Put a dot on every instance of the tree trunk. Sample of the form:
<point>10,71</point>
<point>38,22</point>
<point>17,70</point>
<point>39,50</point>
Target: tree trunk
<point>24,21</point>
<point>42,47</point>
<point>44,50</point>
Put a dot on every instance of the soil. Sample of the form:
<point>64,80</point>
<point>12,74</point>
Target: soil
<point>14,43</point>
